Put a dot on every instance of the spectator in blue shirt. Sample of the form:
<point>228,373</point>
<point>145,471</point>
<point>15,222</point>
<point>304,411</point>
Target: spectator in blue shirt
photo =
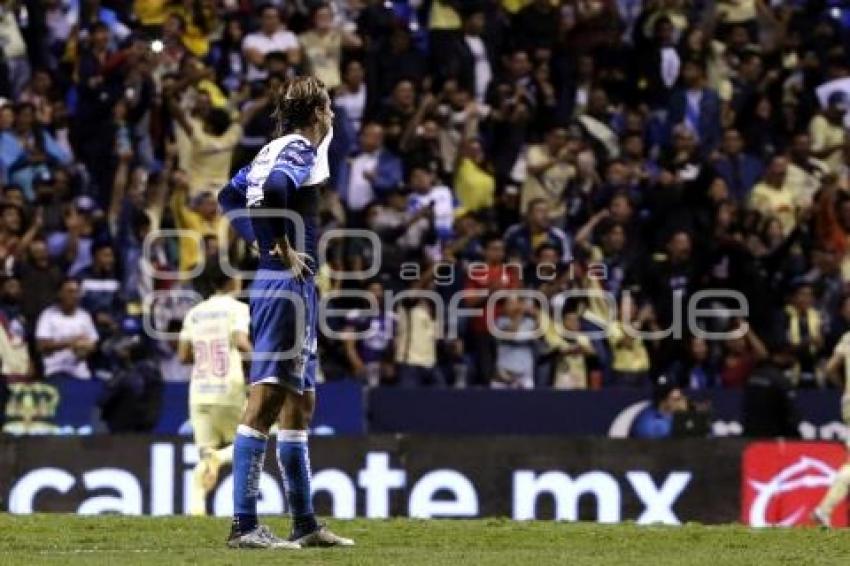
<point>369,337</point>
<point>656,420</point>
<point>697,107</point>
<point>522,239</point>
<point>739,170</point>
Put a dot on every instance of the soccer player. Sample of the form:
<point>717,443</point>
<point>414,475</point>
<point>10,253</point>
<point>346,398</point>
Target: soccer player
<point>841,484</point>
<point>214,338</point>
<point>284,176</point>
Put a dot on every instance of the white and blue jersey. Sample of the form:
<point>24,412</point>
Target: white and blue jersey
<point>283,307</point>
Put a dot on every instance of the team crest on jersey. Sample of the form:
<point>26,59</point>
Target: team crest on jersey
<point>294,153</point>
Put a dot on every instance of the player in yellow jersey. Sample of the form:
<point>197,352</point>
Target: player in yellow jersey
<point>841,484</point>
<point>214,338</point>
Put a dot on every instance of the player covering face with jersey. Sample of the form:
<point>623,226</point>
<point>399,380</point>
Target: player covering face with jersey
<point>273,203</point>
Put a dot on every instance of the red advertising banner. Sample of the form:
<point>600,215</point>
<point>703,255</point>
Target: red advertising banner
<point>783,482</point>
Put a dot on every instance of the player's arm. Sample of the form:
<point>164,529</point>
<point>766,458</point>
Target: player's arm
<point>292,170</point>
<point>242,341</point>
<point>232,200</point>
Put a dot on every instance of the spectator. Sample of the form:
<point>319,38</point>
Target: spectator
<point>73,245</point>
<point>482,281</point>
<point>697,107</point>
<point>272,36</point>
<point>803,328</point>
<point>27,149</point>
<point>66,335</point>
<point>14,52</point>
<point>212,141</point>
<point>656,421</point>
<point>521,239</point>
<point>37,93</point>
<point>660,65</point>
<point>439,198</point>
<point>201,217</point>
<point>740,171</point>
<point>740,357</point>
<point>323,46</point>
<point>40,277</point>
<point>370,173</point>
<point>515,350</point>
<point>827,131</point>
<point>398,112</point>
<point>475,184</point>
<point>100,289</point>
<point>416,346</point>
<point>15,362</point>
<point>573,350</point>
<point>549,167</point>
<point>805,172</point>
<point>476,69</point>
<point>352,94</point>
<point>399,66</point>
<point>226,57</point>
<point>773,197</point>
<point>697,371</point>
<point>630,363</point>
<point>13,240</point>
<point>368,354</point>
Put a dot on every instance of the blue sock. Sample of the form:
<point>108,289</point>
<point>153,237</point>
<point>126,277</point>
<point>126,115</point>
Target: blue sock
<point>294,461</point>
<point>249,450</point>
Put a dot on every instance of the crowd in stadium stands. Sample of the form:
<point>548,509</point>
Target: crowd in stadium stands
<point>642,151</point>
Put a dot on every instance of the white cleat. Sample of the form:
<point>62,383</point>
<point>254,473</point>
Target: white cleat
<point>323,537</point>
<point>821,519</point>
<point>260,537</point>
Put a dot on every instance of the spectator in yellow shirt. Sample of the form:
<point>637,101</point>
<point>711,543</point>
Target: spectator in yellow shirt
<point>201,217</point>
<point>774,197</point>
<point>828,132</point>
<point>323,46</point>
<point>630,358</point>
<point>197,21</point>
<point>549,166</point>
<point>571,355</point>
<point>475,184</point>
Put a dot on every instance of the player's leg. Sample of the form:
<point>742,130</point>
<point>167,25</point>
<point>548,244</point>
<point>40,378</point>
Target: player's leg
<point>225,419</point>
<point>840,485</point>
<point>836,494</point>
<point>294,461</point>
<point>270,317</point>
<point>206,439</point>
<point>249,451</point>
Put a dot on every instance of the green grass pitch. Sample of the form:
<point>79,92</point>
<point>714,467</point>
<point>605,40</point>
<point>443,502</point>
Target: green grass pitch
<point>124,541</point>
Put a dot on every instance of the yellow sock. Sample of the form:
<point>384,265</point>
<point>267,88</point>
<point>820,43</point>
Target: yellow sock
<point>837,492</point>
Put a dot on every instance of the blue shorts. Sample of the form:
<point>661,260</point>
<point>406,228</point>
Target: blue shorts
<point>284,311</point>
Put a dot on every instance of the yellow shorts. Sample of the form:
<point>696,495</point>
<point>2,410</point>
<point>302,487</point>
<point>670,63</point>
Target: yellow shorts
<point>214,425</point>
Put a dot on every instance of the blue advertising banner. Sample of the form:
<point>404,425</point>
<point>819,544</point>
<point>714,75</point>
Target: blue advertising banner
<point>339,409</point>
<point>609,412</point>
<point>70,407</point>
